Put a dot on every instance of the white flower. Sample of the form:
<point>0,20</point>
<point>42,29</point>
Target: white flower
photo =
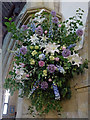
<point>39,13</point>
<point>51,47</point>
<point>34,39</point>
<point>39,19</point>
<point>75,57</point>
<point>19,70</point>
<point>44,38</point>
<point>43,44</point>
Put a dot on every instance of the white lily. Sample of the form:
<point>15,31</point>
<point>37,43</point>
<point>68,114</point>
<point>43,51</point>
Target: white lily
<point>34,39</point>
<point>75,57</point>
<point>39,19</point>
<point>39,13</point>
<point>52,48</point>
<point>44,38</point>
<point>43,44</point>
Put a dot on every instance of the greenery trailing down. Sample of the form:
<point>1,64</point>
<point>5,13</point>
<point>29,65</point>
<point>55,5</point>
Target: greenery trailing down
<point>46,58</point>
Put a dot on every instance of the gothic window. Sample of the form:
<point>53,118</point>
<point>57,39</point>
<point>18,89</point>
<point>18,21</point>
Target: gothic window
<point>6,101</point>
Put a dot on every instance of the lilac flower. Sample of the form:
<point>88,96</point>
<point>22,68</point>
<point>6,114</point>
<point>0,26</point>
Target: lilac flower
<point>24,27</point>
<point>66,53</point>
<point>39,30</point>
<point>72,45</point>
<point>44,85</point>
<point>33,27</point>
<point>17,53</point>
<point>50,31</point>
<point>55,20</point>
<point>53,13</point>
<point>56,91</point>
<point>23,50</point>
<point>51,68</point>
<point>79,32</point>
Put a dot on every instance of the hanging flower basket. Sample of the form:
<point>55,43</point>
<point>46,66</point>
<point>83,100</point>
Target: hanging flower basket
<point>46,59</point>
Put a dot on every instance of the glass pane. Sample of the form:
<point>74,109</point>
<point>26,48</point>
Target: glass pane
<point>6,99</point>
<point>5,109</point>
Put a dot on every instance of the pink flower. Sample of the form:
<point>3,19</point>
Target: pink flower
<point>59,25</point>
<point>41,63</point>
<point>27,75</point>
<point>57,59</point>
<point>16,72</point>
<point>45,31</point>
<point>63,48</point>
<point>22,64</point>
<point>49,79</point>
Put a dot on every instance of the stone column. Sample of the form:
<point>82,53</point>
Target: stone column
<point>0,84</point>
<point>89,59</point>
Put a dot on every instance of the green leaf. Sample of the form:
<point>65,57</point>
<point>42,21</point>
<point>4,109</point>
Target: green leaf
<point>7,24</point>
<point>10,19</point>
<point>6,18</point>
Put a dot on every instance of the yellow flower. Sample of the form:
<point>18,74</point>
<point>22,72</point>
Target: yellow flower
<point>51,58</point>
<point>44,72</point>
<point>34,52</point>
<point>36,47</point>
<point>31,47</point>
<point>32,61</point>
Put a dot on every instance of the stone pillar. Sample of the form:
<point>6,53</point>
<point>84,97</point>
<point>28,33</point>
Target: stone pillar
<point>0,84</point>
<point>89,59</point>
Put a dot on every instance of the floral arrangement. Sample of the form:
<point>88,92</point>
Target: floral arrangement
<point>46,58</point>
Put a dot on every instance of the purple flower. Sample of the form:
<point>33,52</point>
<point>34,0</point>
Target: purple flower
<point>23,50</point>
<point>55,20</point>
<point>39,30</point>
<point>66,52</point>
<point>44,85</point>
<point>24,27</point>
<point>53,13</point>
<point>51,68</point>
<point>79,32</point>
